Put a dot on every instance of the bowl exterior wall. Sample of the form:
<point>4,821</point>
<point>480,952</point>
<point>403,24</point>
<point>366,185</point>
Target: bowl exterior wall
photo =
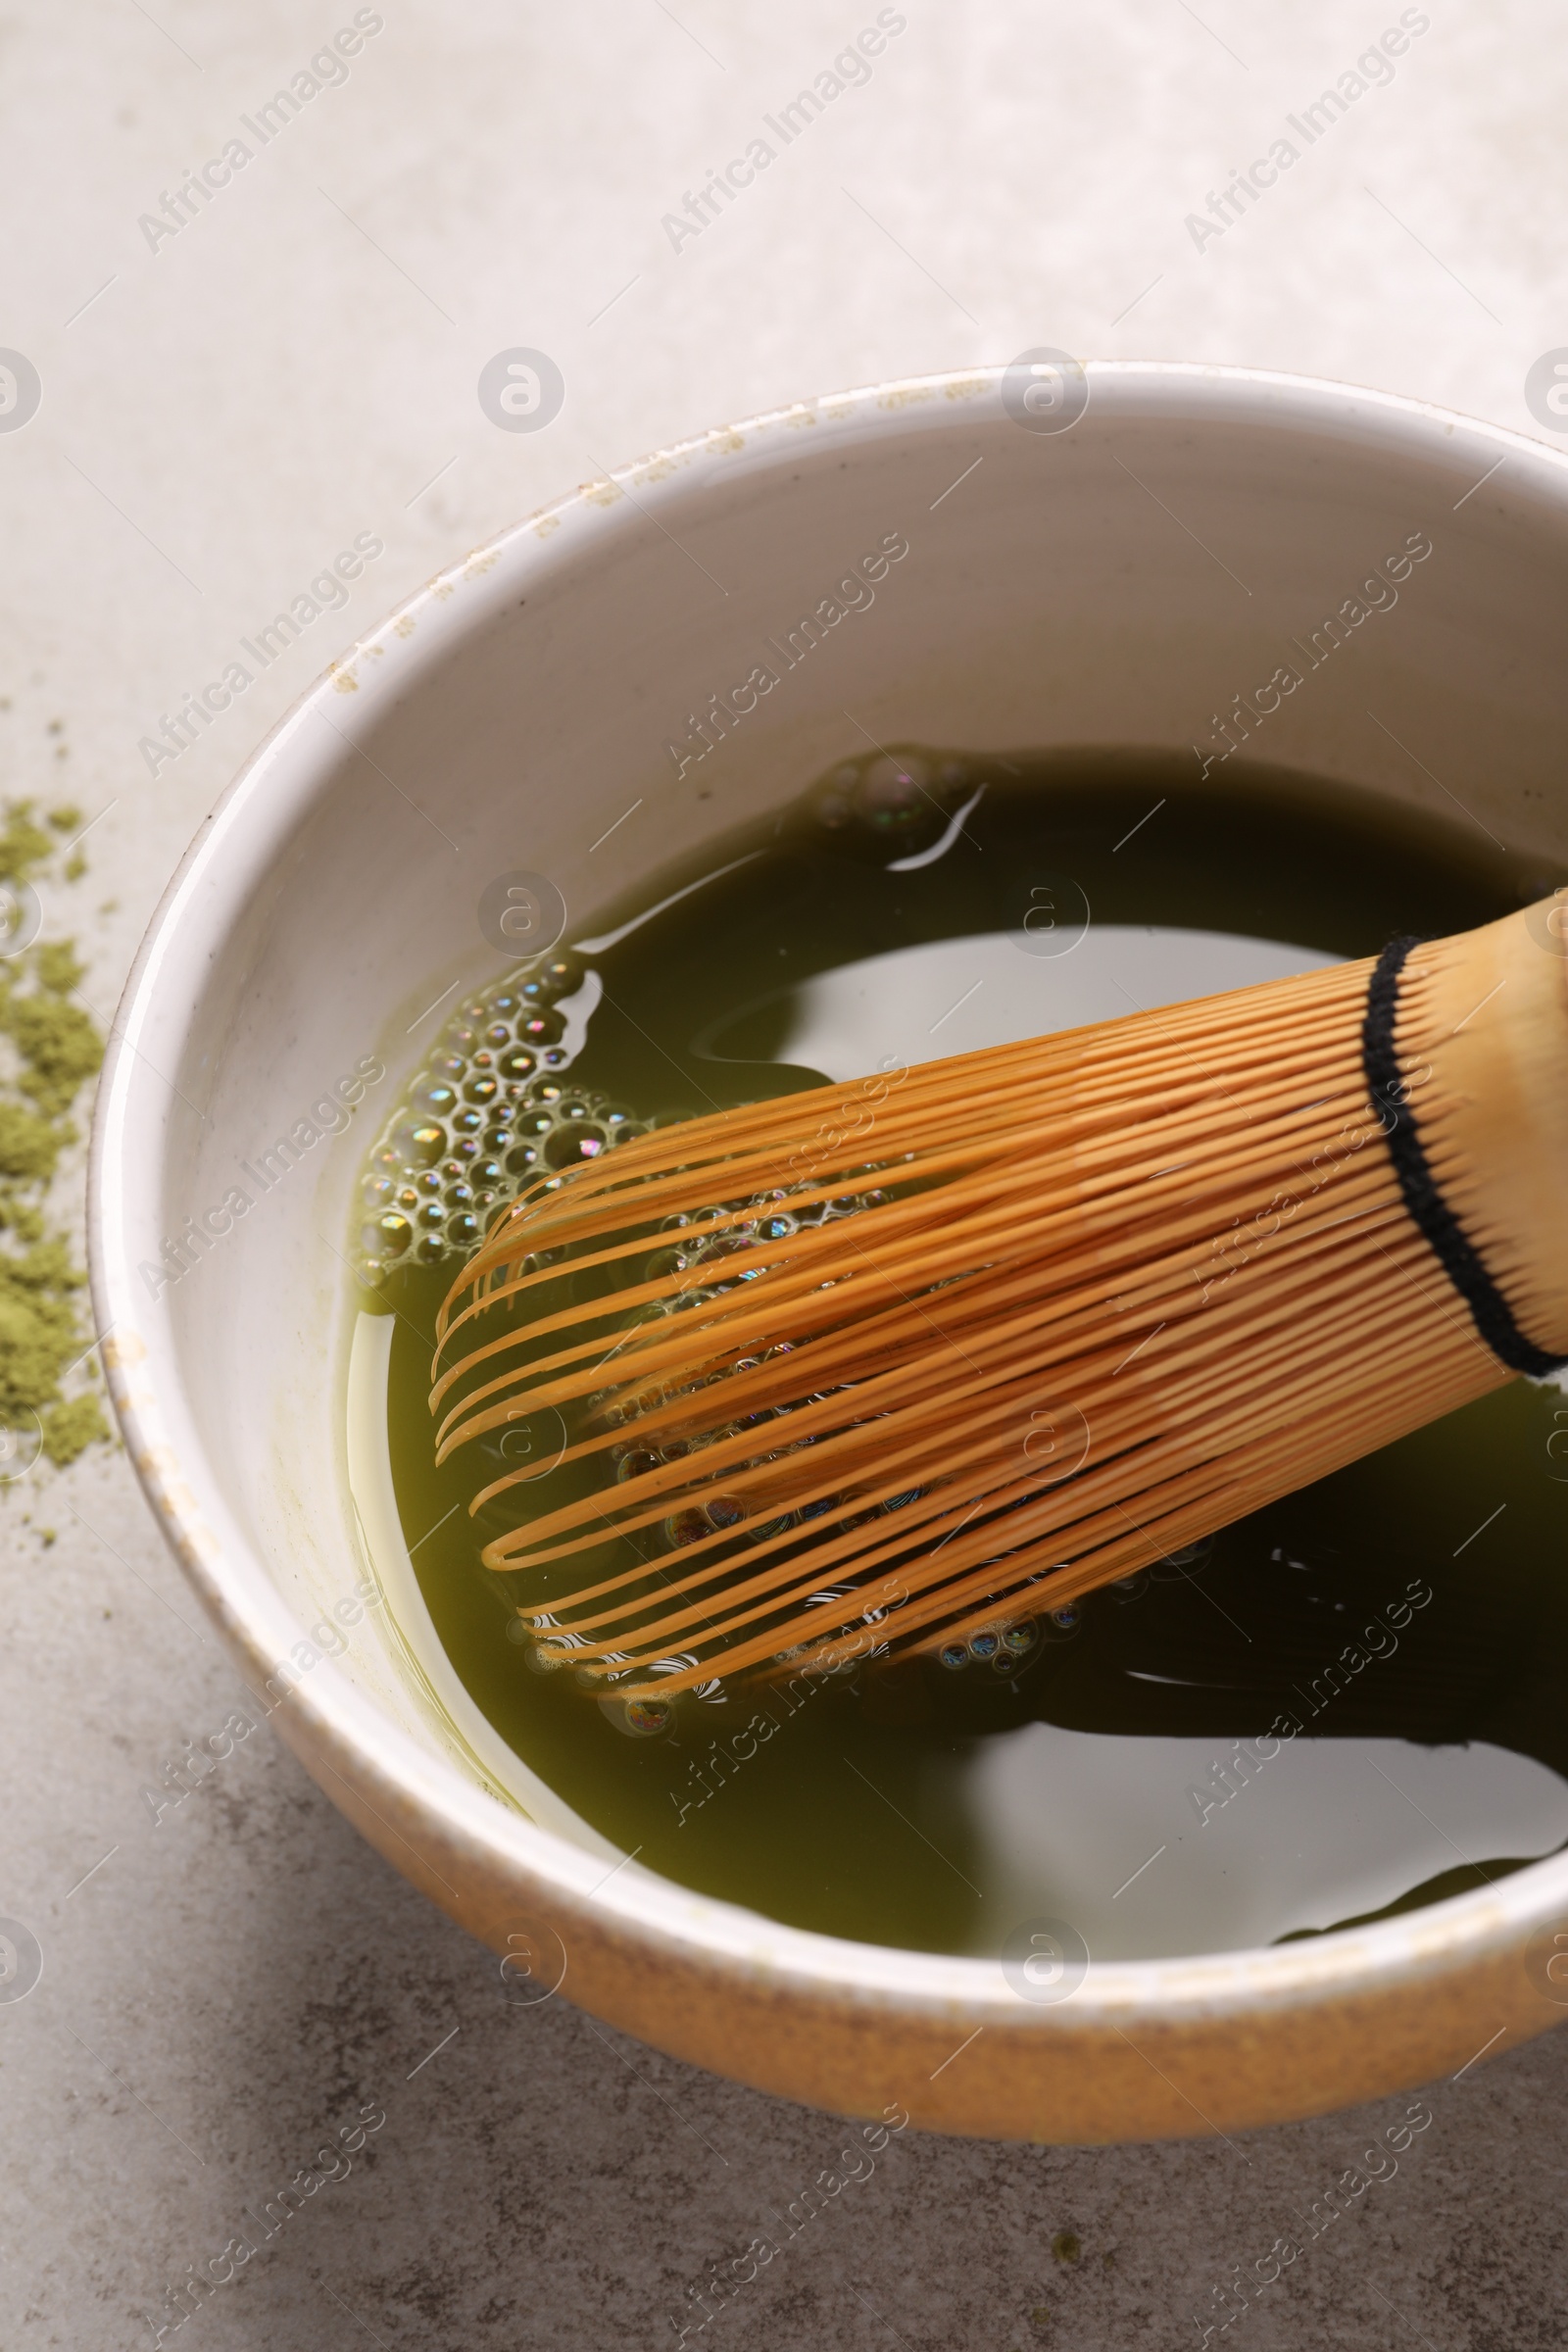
<point>584,699</point>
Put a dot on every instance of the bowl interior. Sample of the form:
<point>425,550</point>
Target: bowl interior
<point>584,702</point>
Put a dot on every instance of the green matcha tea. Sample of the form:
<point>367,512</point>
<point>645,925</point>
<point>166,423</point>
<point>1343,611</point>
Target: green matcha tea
<point>1349,1703</point>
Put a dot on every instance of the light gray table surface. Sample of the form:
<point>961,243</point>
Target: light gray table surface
<point>223,409</point>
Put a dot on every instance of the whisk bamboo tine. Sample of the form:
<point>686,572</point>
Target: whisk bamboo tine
<point>1242,1241</point>
<point>536,1206</point>
<point>648,1639</point>
<point>753,1387</point>
<point>1329,1284</point>
<point>729,1453</point>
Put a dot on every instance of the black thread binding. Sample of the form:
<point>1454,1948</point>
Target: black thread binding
<point>1462,1261</point>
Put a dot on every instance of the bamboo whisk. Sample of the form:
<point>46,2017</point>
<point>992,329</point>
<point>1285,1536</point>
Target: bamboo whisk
<point>896,1361</point>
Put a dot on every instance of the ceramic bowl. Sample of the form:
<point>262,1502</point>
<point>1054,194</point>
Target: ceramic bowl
<point>1110,574</point>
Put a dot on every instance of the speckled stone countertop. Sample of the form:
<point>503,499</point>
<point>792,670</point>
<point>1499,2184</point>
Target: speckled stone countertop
<point>236,383</point>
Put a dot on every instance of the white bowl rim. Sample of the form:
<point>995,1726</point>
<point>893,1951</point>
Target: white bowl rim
<point>637,1905</point>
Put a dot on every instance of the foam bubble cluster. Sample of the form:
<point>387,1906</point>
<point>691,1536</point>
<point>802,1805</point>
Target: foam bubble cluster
<point>1004,1648</point>
<point>491,1109</point>
<point>891,800</point>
